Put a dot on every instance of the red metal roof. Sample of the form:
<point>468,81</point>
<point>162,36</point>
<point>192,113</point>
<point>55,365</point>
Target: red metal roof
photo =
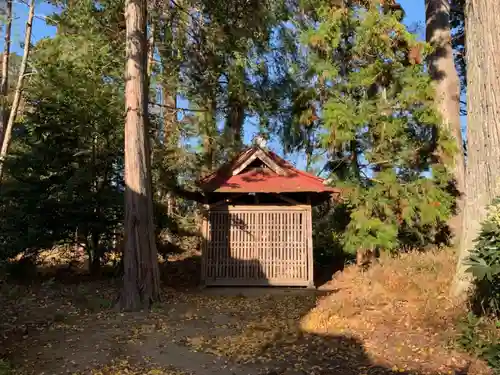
<point>262,180</point>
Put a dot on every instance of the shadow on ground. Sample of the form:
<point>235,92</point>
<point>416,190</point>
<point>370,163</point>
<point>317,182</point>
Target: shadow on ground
<point>59,325</point>
<point>53,328</point>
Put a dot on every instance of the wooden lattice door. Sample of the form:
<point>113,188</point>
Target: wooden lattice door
<point>258,245</point>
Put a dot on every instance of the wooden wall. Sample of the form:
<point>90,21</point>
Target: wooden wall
<point>258,245</point>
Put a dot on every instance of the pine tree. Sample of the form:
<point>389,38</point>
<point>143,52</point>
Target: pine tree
<point>377,123</point>
<point>67,155</point>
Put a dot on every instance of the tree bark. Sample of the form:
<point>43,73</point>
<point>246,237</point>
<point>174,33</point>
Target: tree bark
<point>482,180</point>
<point>19,87</point>
<point>170,125</point>
<point>236,112</point>
<point>234,124</point>
<point>95,265</point>
<point>4,84</point>
<point>169,35</point>
<point>447,85</point>
<point>209,134</point>
<point>141,280</point>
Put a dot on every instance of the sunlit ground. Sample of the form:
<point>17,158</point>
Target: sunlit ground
<point>394,318</point>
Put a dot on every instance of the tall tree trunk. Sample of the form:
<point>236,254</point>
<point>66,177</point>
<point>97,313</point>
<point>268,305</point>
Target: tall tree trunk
<point>4,83</point>
<point>19,87</point>
<point>95,265</point>
<point>141,280</point>
<point>209,134</point>
<point>235,121</point>
<point>482,180</point>
<point>170,114</point>
<point>170,127</point>
<point>447,86</point>
<point>309,157</point>
<point>234,124</point>
<point>236,112</point>
<point>170,35</point>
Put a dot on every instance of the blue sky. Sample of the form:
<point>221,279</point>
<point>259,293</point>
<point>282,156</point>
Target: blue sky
<point>40,29</point>
<point>415,13</point>
<point>415,17</point>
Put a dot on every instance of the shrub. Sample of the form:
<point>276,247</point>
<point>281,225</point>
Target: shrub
<point>328,225</point>
<point>480,337</point>
<point>22,270</point>
<point>484,264</point>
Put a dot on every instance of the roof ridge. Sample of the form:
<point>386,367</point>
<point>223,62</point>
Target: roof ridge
<point>230,164</point>
<point>290,165</point>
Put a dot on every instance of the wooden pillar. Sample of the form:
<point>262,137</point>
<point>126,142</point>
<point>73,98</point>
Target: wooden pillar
<point>310,258</point>
<point>204,243</point>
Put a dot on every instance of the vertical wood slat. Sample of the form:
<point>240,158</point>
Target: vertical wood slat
<point>309,248</point>
<point>215,245</point>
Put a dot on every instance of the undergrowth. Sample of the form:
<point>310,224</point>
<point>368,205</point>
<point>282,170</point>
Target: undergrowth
<point>400,308</point>
<point>484,265</point>
<point>480,330</point>
<point>481,337</point>
<point>414,284</point>
<point>5,368</point>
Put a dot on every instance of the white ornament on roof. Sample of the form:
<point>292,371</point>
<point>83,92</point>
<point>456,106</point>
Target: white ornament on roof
<point>260,141</point>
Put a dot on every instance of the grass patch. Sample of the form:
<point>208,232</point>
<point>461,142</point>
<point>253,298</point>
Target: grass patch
<point>400,309</point>
<point>412,288</point>
<point>5,367</point>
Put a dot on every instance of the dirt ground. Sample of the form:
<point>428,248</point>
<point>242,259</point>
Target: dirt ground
<point>52,329</point>
<point>395,318</point>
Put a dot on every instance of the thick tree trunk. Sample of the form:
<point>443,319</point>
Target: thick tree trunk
<point>19,87</point>
<point>141,281</point>
<point>447,86</point>
<point>4,84</point>
<point>482,180</point>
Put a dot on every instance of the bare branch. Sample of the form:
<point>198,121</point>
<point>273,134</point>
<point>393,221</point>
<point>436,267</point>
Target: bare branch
<point>177,108</point>
<point>19,87</point>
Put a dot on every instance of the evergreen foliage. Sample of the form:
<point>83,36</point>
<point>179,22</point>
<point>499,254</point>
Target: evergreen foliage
<point>378,125</point>
<point>484,264</point>
<point>65,170</point>
<point>336,84</point>
<point>478,338</point>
